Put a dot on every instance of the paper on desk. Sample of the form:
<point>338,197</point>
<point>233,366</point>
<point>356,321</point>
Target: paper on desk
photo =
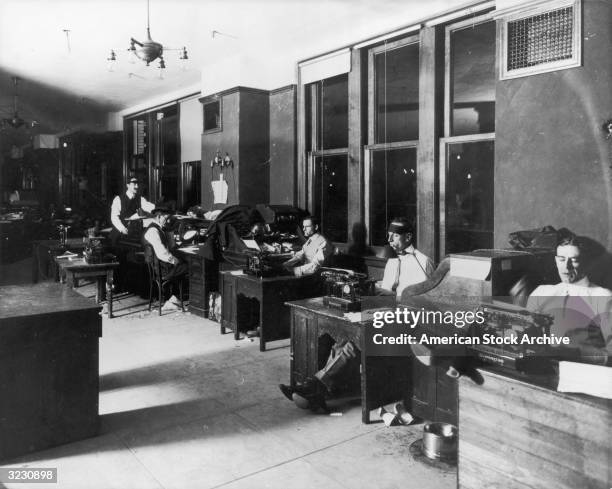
<point>585,378</point>
<point>469,268</point>
<point>236,272</point>
<point>67,254</point>
<point>367,315</point>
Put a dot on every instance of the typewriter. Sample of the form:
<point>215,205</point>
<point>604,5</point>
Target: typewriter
<point>501,336</point>
<point>265,264</point>
<point>344,288</point>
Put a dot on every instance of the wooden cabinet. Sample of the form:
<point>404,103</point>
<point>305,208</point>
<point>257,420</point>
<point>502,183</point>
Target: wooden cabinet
<point>203,279</point>
<point>49,360</point>
<point>242,134</point>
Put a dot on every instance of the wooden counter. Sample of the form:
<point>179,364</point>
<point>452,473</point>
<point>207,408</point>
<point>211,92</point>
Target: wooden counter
<point>516,434</point>
<point>48,367</point>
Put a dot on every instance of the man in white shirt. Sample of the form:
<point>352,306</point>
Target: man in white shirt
<point>314,253</point>
<point>125,206</point>
<point>580,309</point>
<point>154,235</point>
<point>409,268</point>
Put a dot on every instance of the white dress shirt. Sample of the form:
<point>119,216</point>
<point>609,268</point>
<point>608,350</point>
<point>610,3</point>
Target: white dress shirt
<point>152,236</point>
<point>577,308</point>
<point>407,269</point>
<point>116,210</point>
<point>312,256</point>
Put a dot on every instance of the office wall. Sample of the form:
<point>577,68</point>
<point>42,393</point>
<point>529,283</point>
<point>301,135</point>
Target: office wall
<point>552,160</point>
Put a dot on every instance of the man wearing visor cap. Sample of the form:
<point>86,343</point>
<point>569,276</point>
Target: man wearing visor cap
<point>125,206</point>
<point>411,266</point>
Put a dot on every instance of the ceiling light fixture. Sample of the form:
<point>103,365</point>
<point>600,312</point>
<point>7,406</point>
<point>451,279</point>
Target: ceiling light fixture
<point>149,50</point>
<point>16,122</point>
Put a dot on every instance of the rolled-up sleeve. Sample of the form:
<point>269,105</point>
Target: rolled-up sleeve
<point>115,211</point>
<point>162,253</point>
<point>146,206</point>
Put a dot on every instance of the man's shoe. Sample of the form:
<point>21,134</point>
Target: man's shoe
<point>287,391</point>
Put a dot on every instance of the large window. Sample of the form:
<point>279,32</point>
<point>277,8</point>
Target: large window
<point>392,190</point>
<point>393,132</point>
<point>327,128</point>
<point>331,194</point>
<point>469,195</point>
<point>396,85</point>
<point>467,150</point>
<point>472,79</point>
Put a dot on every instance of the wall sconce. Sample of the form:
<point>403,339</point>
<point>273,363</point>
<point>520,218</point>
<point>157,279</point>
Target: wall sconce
<point>221,161</point>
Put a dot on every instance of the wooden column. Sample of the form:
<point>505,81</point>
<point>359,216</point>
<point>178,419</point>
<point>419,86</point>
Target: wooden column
<point>427,152</point>
<point>356,111</point>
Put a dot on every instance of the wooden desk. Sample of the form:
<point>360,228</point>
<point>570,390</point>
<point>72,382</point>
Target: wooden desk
<point>382,379</point>
<point>513,433</point>
<point>48,367</point>
<point>203,279</point>
<point>44,253</point>
<point>72,270</point>
<point>271,292</point>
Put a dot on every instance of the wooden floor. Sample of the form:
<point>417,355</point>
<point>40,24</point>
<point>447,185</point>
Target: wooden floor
<point>183,406</point>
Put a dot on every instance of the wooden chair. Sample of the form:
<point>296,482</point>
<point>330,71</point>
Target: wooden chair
<point>156,278</point>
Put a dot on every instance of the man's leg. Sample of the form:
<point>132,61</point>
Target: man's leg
<point>310,394</point>
<point>339,358</point>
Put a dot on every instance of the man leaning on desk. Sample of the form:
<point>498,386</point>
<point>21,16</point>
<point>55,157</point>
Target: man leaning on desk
<point>409,268</point>
<point>155,236</point>
<point>314,253</point>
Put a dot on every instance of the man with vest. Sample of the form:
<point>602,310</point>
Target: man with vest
<point>125,206</point>
<point>155,236</point>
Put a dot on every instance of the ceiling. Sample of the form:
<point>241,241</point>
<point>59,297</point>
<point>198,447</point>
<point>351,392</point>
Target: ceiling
<point>59,48</point>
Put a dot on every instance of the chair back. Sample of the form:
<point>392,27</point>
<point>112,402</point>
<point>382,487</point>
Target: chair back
<point>152,262</point>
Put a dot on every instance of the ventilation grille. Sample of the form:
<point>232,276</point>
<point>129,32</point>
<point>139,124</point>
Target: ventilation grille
<point>541,39</point>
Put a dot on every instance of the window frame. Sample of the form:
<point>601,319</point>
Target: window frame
<point>315,145</point>
<point>368,161</point>
<point>523,12</point>
<point>373,146</point>
<point>372,52</point>
<point>443,172</point>
<point>448,101</point>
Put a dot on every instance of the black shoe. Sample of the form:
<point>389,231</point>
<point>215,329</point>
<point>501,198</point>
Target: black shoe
<point>287,391</point>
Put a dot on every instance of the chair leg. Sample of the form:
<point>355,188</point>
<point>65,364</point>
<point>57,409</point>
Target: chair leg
<point>150,290</point>
<point>181,294</point>
<point>160,290</point>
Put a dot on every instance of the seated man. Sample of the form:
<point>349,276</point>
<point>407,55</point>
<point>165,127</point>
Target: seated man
<point>581,310</point>
<point>411,267</point>
<point>314,253</point>
<point>172,267</point>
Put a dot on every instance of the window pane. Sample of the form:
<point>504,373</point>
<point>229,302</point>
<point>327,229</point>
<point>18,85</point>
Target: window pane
<point>334,112</point>
<point>397,94</point>
<point>469,196</point>
<point>473,79</point>
<point>331,196</point>
<point>212,115</point>
<point>392,190</point>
